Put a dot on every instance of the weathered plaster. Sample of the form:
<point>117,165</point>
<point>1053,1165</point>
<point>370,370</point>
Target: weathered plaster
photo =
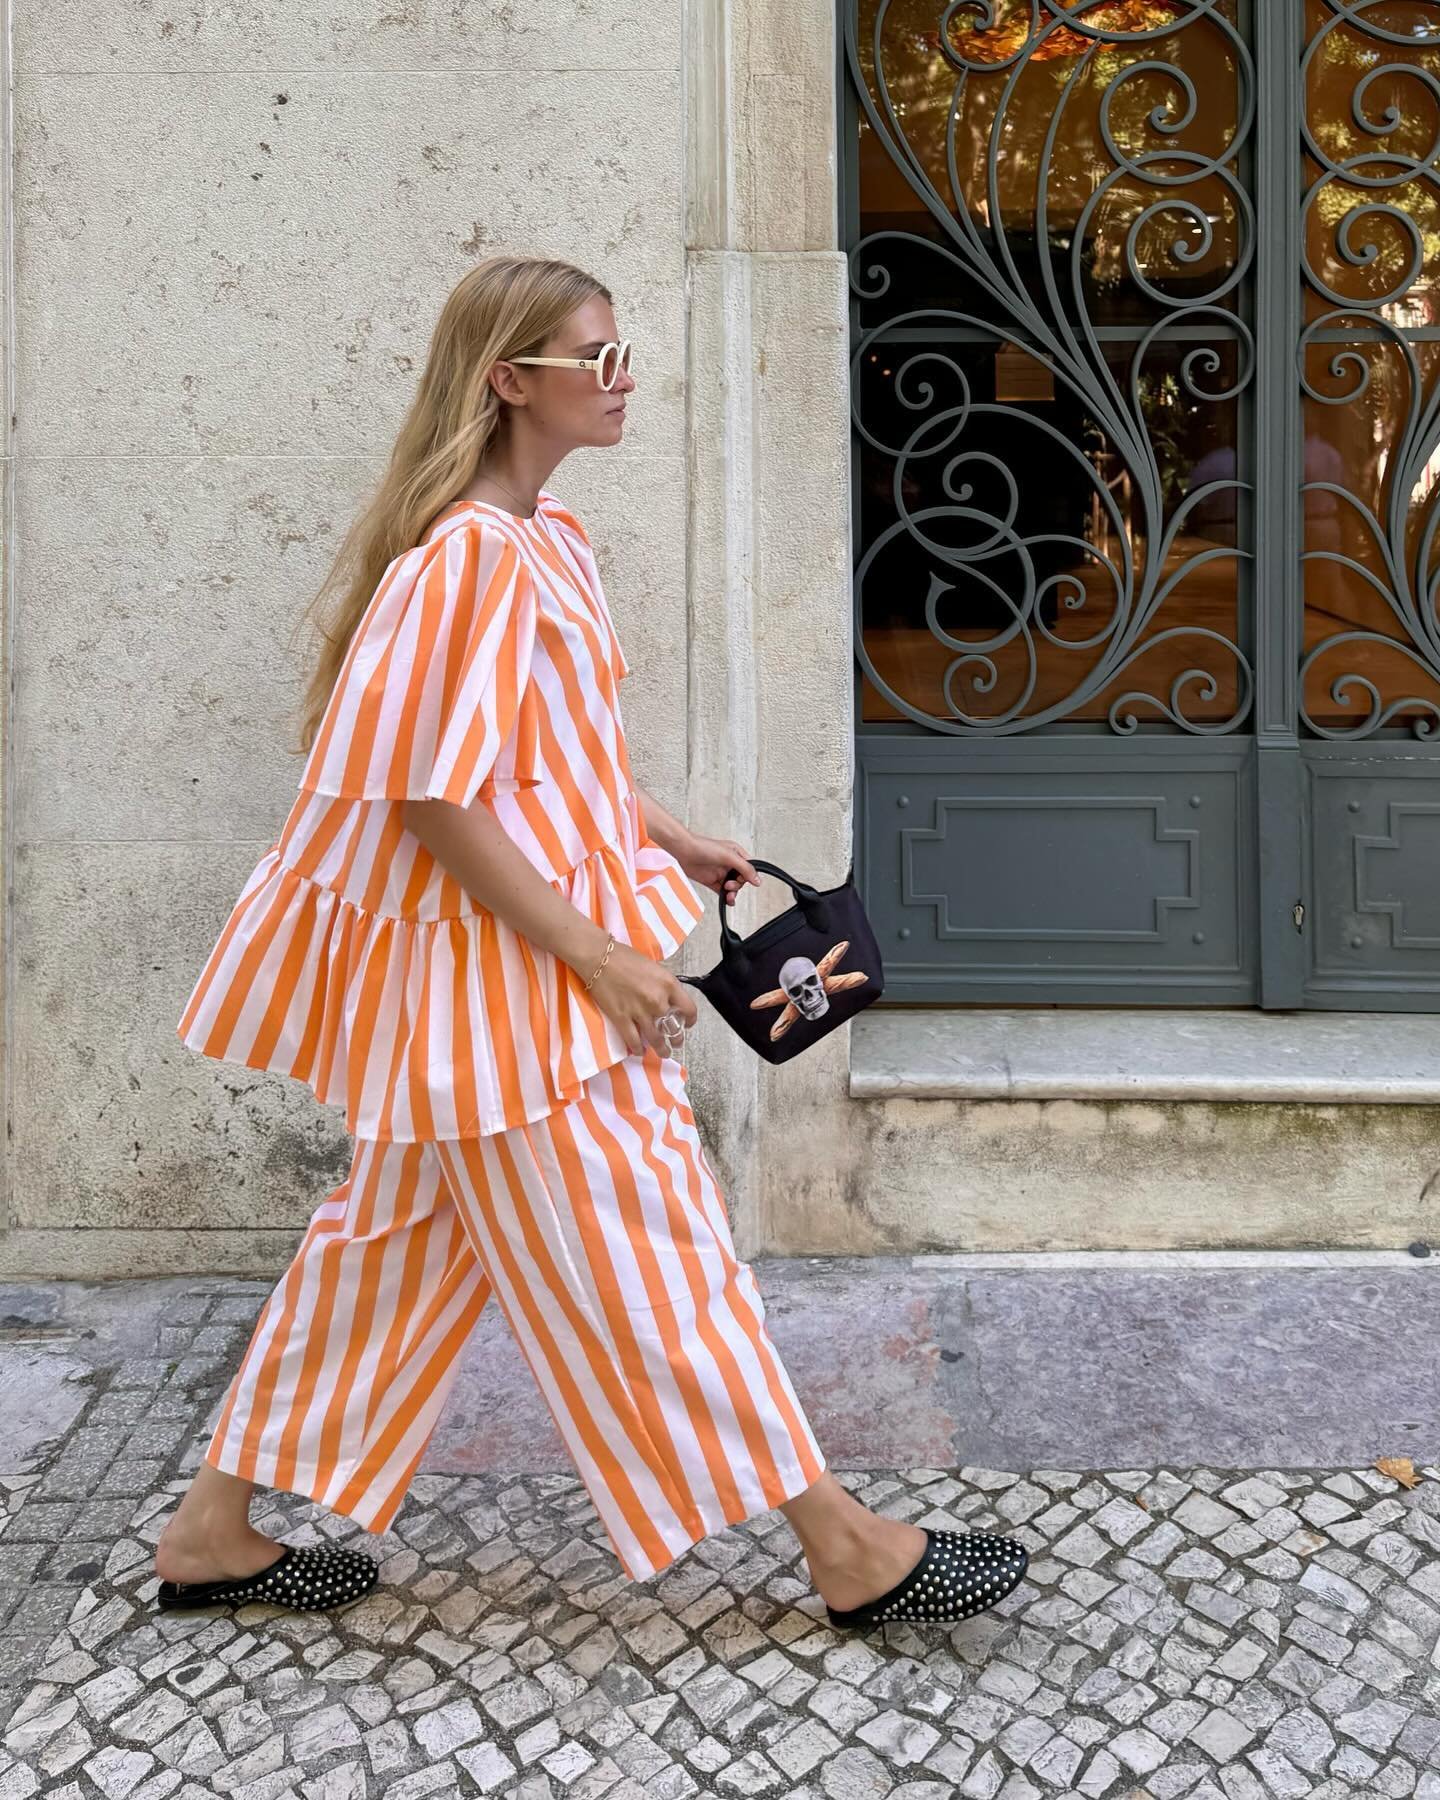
<point>234,229</point>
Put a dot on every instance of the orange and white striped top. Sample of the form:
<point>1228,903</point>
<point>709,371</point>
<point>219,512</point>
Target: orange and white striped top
<point>484,671</point>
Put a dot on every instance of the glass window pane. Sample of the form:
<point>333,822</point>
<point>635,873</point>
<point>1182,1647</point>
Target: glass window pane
<point>1044,125</point>
<point>1038,580</point>
<point>1371,367</point>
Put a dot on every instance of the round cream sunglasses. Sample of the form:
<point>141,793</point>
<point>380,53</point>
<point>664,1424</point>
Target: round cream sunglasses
<point>607,365</point>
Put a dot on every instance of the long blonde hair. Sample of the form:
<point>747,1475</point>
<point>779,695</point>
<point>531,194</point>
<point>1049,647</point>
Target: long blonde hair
<point>505,306</point>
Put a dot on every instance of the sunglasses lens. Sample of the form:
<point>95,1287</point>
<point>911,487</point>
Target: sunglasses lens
<point>626,357</point>
<point>609,365</point>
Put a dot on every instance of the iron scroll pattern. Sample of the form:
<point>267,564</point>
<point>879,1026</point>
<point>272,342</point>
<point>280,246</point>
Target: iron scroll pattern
<point>1376,234</point>
<point>1049,320</point>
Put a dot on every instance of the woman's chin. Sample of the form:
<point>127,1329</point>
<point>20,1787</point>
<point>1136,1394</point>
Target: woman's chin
<point>612,431</point>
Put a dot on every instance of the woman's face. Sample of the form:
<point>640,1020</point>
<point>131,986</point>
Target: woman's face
<point>570,403</point>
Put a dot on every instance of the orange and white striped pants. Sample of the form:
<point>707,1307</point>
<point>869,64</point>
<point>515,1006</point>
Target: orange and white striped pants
<point>602,1230</point>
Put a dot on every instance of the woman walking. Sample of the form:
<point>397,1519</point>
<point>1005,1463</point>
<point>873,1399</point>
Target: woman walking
<point>459,936</point>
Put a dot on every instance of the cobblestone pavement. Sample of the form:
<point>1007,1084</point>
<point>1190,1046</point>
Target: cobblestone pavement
<point>1220,1634</point>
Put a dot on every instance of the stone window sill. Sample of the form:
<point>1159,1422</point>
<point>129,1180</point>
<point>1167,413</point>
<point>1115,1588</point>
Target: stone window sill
<point>1075,1054</point>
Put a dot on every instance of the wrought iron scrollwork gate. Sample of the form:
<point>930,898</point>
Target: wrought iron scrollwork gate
<point>1146,442</point>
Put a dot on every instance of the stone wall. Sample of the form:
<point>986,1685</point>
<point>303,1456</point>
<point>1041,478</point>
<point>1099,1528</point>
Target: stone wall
<point>233,229</point>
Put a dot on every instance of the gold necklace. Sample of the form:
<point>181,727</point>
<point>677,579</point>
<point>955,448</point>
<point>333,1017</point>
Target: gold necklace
<point>505,490</point>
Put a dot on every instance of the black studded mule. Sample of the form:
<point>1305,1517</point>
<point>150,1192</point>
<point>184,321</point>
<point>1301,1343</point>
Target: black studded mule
<point>303,1577</point>
<point>958,1574</point>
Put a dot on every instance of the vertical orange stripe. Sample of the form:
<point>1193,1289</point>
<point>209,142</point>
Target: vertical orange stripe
<point>609,1286</point>
<point>571,699</point>
<point>422,1111</point>
<point>263,933</point>
<point>376,702</point>
<point>382,1168</point>
<point>390,844</point>
<point>339,976</point>
<point>755,1331</point>
<point>401,1031</point>
<point>463,1041</point>
<point>272,1021</point>
<point>259,1383</point>
<point>560,794</point>
<point>318,1356</point>
<point>324,820</point>
<point>593,620</point>
<point>370,987</point>
<point>382,1447</point>
<point>339,693</point>
<point>539,1032</point>
<point>689,1388</point>
<point>471,1171</point>
<point>504,1050</point>
<point>510,591</point>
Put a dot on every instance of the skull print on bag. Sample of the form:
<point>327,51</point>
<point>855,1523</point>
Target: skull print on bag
<point>805,987</point>
<point>801,981</point>
<point>799,949</point>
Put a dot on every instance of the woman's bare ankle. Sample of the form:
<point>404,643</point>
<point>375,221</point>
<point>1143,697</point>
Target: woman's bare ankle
<point>198,1545</point>
<point>854,1555</point>
<point>858,1564</point>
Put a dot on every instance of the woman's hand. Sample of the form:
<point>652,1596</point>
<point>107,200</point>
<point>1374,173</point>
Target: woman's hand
<point>709,861</point>
<point>633,990</point>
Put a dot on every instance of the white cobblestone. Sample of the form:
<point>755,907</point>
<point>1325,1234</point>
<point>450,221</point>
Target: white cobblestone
<point>1222,1735</point>
<point>1220,1641</point>
<point>1376,1726</point>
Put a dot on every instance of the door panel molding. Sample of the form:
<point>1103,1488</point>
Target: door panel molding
<point>1157,915</point>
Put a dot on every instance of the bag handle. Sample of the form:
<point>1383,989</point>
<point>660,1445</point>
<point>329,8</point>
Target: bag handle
<point>808,898</point>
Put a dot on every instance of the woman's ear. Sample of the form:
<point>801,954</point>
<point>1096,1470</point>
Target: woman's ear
<point>507,385</point>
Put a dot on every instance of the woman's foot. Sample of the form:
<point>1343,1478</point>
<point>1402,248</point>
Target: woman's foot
<point>961,1573</point>
<point>855,1556</point>
<point>195,1549</point>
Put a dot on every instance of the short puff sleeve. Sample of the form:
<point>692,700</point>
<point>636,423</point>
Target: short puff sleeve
<point>432,682</point>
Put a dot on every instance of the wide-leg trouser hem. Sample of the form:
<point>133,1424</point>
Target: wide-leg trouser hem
<point>374,1512</point>
<point>641,1569</point>
<point>602,1232</point>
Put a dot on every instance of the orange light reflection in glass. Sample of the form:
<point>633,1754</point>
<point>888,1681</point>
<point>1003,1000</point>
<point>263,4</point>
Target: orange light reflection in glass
<point>997,43</point>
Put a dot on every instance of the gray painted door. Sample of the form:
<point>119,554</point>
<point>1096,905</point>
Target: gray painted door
<point>1146,407</point>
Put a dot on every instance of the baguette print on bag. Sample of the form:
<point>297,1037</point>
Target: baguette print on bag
<point>805,988</point>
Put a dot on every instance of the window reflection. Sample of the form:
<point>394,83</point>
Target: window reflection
<point>1038,185</point>
<point>1071,522</point>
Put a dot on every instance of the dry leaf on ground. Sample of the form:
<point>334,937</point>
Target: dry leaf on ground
<point>1399,1468</point>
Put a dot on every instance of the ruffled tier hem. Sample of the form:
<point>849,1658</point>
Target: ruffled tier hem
<point>422,1029</point>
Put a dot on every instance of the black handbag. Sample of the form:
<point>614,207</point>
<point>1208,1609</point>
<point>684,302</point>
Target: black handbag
<point>798,975</point>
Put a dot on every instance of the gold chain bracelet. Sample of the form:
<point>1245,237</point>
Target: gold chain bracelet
<point>603,960</point>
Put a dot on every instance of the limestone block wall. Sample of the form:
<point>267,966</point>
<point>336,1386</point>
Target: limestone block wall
<point>231,232</point>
